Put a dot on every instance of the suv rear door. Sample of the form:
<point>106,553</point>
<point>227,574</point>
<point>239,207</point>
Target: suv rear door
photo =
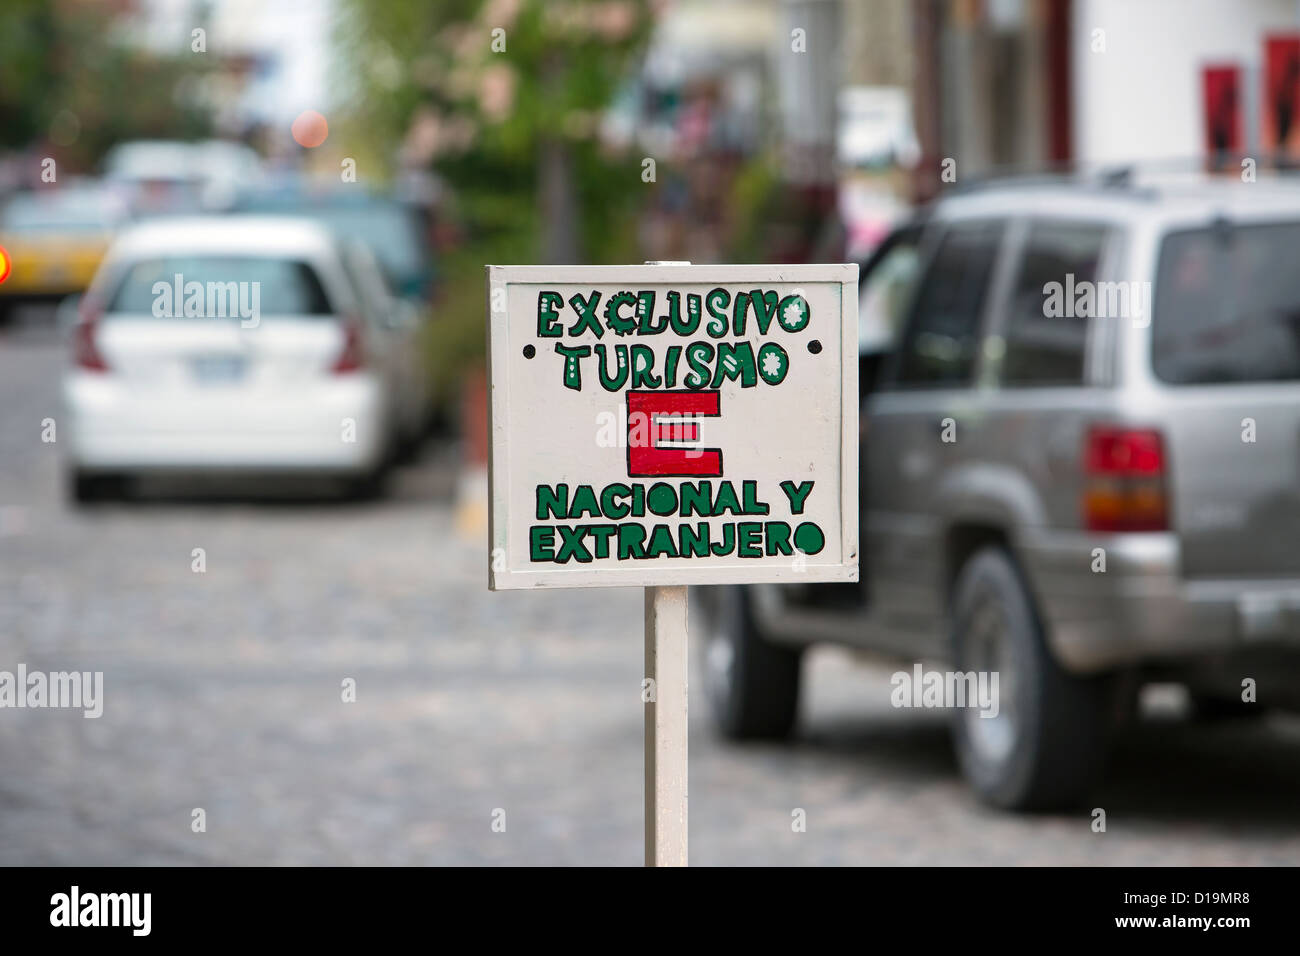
<point>925,402</point>
<point>1225,345</point>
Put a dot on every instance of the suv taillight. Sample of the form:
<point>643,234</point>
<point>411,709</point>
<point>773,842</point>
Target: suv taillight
<point>85,352</point>
<point>1124,480</point>
<point>353,355</point>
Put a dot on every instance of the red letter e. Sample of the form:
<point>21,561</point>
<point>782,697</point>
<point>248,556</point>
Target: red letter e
<point>663,439</point>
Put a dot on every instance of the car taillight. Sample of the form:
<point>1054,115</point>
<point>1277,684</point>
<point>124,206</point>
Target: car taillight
<point>1124,480</point>
<point>353,355</point>
<point>85,352</point>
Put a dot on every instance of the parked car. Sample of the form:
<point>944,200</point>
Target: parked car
<point>391,231</point>
<point>156,177</point>
<point>54,240</point>
<point>173,177</point>
<point>1082,492</point>
<point>390,228</point>
<point>402,322</point>
<point>233,344</point>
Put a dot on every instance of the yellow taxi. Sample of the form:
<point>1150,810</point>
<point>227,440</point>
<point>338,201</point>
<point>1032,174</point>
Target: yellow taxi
<point>51,241</point>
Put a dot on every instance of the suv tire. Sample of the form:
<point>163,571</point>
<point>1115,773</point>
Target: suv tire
<point>752,685</point>
<point>1049,741</point>
<point>366,487</point>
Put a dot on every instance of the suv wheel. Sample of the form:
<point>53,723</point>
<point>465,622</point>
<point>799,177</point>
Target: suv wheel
<point>365,487</point>
<point>752,685</point>
<point>1049,739</point>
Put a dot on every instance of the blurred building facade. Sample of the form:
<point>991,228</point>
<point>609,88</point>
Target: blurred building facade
<point>262,63</point>
<point>1144,95</point>
<point>989,87</point>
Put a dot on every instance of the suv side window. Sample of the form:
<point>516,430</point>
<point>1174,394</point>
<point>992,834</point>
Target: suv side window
<point>942,338</point>
<point>1045,338</point>
<point>366,280</point>
<point>886,288</point>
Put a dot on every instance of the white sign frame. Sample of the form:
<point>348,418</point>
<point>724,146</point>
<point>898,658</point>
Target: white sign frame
<point>500,348</point>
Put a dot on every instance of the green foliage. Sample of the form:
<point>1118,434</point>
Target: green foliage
<point>563,62</point>
<point>64,57</point>
<point>753,194</point>
<point>28,75</point>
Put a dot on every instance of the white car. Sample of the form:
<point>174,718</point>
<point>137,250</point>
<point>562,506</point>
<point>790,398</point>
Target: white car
<point>234,344</point>
<point>168,177</point>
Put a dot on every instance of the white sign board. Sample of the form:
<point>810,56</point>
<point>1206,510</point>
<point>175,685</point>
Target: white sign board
<point>665,425</point>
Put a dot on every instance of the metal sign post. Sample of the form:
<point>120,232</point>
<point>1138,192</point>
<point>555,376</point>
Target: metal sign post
<point>666,653</point>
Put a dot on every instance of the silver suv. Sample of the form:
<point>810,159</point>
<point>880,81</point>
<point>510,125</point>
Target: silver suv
<point>1080,471</point>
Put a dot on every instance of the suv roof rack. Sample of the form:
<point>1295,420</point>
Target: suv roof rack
<point>1142,178</point>
<point>1108,177</point>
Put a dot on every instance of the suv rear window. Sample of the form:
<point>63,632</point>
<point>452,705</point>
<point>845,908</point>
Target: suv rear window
<point>1227,305</point>
<point>282,286</point>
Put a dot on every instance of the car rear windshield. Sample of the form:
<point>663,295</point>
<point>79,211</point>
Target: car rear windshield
<point>74,212</point>
<point>389,229</point>
<point>217,286</point>
<point>1227,305</point>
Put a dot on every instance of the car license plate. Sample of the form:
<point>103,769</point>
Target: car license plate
<point>217,369</point>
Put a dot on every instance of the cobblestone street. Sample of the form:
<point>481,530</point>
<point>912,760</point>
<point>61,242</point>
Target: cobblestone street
<point>222,691</point>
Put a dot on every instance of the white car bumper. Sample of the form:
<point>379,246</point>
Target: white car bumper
<point>337,425</point>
